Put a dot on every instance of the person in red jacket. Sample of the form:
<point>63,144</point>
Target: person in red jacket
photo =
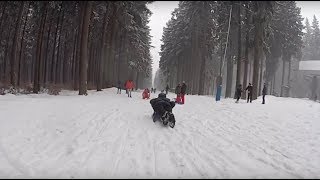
<point>146,94</point>
<point>129,87</point>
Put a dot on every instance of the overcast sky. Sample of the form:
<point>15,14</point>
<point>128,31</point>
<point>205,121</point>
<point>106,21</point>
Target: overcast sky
<point>162,13</point>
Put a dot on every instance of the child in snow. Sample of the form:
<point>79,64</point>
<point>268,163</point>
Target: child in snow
<point>178,92</point>
<point>162,107</point>
<point>183,91</point>
<point>146,94</point>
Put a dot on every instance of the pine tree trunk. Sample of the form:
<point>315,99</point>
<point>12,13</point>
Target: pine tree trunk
<point>14,59</point>
<point>37,70</point>
<point>53,62</point>
<point>86,7</point>
<point>238,81</point>
<point>47,52</point>
<point>21,46</point>
<point>282,81</point>
<point>289,76</point>
<point>58,64</point>
<point>246,65</point>
<point>3,17</point>
<point>260,77</point>
<point>258,35</point>
<point>104,49</point>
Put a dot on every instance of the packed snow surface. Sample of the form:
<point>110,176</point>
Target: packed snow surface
<point>105,135</point>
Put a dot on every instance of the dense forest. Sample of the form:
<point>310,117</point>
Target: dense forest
<point>211,43</point>
<point>75,45</point>
<point>80,45</point>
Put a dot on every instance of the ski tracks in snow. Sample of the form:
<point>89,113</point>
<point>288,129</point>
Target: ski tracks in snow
<point>104,135</point>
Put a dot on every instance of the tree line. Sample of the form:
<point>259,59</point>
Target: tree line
<point>75,45</point>
<point>207,44</point>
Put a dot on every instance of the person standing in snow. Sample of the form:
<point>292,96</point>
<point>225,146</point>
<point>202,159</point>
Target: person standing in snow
<point>238,92</point>
<point>178,93</point>
<point>183,91</point>
<point>249,88</point>
<point>154,90</point>
<point>167,89</point>
<point>119,87</point>
<point>125,86</point>
<point>264,92</point>
<point>129,87</point>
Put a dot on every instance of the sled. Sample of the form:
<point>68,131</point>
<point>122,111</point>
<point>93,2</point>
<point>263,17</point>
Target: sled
<point>169,120</point>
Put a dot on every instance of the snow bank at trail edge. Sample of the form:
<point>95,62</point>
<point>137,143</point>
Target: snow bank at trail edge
<point>105,135</point>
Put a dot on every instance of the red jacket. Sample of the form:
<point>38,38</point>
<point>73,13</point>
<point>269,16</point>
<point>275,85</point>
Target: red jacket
<point>129,85</point>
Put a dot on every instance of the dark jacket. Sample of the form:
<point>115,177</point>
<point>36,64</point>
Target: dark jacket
<point>183,88</point>
<point>167,88</point>
<point>160,105</point>
<point>119,84</point>
<point>178,89</point>
<point>264,90</point>
<point>249,88</point>
<point>239,91</point>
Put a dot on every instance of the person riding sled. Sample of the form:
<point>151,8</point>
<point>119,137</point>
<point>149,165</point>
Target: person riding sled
<point>162,107</point>
<point>146,94</point>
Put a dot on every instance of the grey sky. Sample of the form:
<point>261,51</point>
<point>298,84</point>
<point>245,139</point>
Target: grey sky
<point>309,8</point>
<point>162,13</point>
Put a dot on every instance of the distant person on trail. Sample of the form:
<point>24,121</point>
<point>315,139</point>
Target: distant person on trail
<point>249,88</point>
<point>152,90</point>
<point>162,107</point>
<point>129,87</point>
<point>167,89</point>
<point>264,93</point>
<point>238,92</point>
<point>178,93</point>
<point>183,91</point>
<point>125,86</point>
<point>146,94</point>
<point>119,87</point>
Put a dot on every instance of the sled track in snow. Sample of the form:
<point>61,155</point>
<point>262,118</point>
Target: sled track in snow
<point>105,135</point>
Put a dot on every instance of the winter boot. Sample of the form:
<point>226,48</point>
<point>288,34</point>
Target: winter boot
<point>165,118</point>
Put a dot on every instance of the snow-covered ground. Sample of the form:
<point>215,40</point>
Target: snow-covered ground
<point>105,135</point>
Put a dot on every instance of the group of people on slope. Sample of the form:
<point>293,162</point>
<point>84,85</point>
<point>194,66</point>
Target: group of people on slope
<point>128,85</point>
<point>249,88</point>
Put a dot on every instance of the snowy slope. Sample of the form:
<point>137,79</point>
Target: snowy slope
<point>105,135</point>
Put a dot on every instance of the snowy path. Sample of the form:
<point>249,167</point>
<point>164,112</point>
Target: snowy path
<point>105,135</point>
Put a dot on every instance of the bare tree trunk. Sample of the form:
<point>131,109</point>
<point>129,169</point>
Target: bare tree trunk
<point>14,59</point>
<point>86,7</point>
